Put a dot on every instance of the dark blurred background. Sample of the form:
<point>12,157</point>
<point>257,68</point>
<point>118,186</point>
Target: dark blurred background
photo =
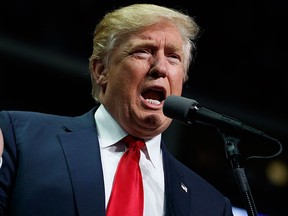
<point>240,71</point>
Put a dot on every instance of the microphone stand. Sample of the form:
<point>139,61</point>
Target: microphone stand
<point>233,154</point>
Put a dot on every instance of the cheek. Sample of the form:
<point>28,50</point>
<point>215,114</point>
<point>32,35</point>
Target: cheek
<point>176,84</point>
<point>176,89</point>
<point>133,72</point>
<point>125,78</point>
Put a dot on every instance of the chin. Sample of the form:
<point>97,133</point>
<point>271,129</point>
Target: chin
<point>153,120</point>
<point>157,122</point>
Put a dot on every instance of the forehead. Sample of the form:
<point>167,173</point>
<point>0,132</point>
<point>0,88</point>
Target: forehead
<point>160,33</point>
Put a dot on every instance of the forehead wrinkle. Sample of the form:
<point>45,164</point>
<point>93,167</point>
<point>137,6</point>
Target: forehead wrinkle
<point>146,41</point>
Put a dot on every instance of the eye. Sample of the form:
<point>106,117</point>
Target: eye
<point>174,58</point>
<point>142,53</point>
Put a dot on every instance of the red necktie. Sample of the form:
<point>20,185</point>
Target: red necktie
<point>127,196</point>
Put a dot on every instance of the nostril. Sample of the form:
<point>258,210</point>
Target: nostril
<point>157,73</point>
<point>153,74</point>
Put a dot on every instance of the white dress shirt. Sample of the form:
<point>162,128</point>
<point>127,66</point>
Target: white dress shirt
<point>151,164</point>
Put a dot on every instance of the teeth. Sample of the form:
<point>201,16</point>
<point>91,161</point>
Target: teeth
<point>151,101</point>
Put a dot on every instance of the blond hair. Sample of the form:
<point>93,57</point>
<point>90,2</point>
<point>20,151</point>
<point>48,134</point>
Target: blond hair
<point>132,18</point>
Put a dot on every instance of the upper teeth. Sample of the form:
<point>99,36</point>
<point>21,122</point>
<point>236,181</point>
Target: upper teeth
<point>153,101</point>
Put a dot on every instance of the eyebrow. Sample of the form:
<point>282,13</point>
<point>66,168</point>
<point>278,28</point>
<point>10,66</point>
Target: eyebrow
<point>150,43</point>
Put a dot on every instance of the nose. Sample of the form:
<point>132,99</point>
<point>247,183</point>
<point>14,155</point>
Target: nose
<point>159,67</point>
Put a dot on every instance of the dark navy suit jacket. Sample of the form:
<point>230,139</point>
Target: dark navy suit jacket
<point>52,167</point>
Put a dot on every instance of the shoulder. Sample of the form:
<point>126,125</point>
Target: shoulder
<point>39,119</point>
<point>27,117</point>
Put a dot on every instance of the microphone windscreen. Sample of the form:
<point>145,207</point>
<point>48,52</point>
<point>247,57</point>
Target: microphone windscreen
<point>177,107</point>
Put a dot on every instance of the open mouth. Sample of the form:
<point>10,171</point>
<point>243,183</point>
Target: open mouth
<point>154,96</point>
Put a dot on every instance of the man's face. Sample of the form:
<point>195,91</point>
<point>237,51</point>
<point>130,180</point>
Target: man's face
<point>145,69</point>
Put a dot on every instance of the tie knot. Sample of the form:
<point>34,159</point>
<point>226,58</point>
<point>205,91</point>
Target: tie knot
<point>135,142</point>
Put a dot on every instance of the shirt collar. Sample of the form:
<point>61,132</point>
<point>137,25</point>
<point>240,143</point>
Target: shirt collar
<point>106,123</point>
<point>154,150</point>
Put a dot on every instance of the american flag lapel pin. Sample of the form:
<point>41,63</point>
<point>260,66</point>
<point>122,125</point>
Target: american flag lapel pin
<point>184,187</point>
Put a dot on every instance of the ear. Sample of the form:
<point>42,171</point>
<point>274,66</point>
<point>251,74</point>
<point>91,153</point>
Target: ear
<point>99,72</point>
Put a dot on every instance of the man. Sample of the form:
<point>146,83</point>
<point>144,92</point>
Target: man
<point>56,165</point>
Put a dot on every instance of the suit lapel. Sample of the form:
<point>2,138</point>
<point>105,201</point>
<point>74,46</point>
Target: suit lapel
<point>177,194</point>
<point>81,149</point>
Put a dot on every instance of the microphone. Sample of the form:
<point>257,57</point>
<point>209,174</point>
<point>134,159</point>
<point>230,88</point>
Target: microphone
<point>188,111</point>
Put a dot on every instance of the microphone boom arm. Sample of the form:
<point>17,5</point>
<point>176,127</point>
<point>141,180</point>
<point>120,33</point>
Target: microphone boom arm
<point>188,111</point>
<point>236,161</point>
